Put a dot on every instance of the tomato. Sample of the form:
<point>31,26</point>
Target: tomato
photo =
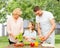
<point>32,44</point>
<point>42,38</point>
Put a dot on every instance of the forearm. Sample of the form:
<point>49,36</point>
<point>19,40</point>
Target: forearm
<point>53,25</point>
<point>33,38</point>
<point>38,29</point>
<point>21,29</point>
<point>10,33</point>
<point>51,30</point>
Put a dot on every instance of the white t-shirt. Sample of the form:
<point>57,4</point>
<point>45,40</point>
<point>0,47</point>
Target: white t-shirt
<point>29,33</point>
<point>14,27</point>
<point>44,21</point>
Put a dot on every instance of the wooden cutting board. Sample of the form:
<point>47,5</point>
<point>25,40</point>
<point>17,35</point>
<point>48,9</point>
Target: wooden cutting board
<point>45,45</point>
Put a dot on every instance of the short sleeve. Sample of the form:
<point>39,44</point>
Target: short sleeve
<point>37,19</point>
<point>50,16</point>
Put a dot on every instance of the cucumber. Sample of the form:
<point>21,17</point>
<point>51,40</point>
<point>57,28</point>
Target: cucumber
<point>26,42</point>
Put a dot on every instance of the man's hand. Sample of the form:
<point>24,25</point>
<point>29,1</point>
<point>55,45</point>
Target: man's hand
<point>44,38</point>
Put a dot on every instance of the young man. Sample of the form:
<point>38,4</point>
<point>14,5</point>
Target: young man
<point>14,25</point>
<point>45,25</point>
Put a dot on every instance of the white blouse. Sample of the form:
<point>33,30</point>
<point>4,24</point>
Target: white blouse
<point>29,33</point>
<point>14,27</point>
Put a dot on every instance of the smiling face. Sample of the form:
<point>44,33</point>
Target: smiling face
<point>31,25</point>
<point>16,16</point>
<point>39,12</point>
<point>16,13</point>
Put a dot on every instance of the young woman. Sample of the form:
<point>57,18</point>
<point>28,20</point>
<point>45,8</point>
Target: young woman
<point>30,33</point>
<point>14,25</point>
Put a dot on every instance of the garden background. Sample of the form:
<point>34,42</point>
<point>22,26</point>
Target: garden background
<point>7,6</point>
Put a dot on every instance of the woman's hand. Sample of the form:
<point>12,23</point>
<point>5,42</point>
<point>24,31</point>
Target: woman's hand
<point>12,35</point>
<point>33,38</point>
<point>25,37</point>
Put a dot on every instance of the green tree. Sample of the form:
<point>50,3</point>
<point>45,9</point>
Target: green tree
<point>28,5</point>
<point>3,4</point>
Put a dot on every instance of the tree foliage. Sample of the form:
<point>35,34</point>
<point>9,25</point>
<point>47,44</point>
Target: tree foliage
<point>28,5</point>
<point>3,4</point>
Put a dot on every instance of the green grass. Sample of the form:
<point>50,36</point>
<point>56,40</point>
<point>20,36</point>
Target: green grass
<point>57,41</point>
<point>4,41</point>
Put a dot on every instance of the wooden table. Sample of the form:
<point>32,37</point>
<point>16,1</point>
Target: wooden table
<point>26,46</point>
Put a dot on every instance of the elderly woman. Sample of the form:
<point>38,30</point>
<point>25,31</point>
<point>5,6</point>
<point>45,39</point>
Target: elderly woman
<point>14,25</point>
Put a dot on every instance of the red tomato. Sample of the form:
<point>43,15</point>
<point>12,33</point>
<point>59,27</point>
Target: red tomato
<point>32,44</point>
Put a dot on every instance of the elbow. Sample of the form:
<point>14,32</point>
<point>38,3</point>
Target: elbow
<point>54,26</point>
